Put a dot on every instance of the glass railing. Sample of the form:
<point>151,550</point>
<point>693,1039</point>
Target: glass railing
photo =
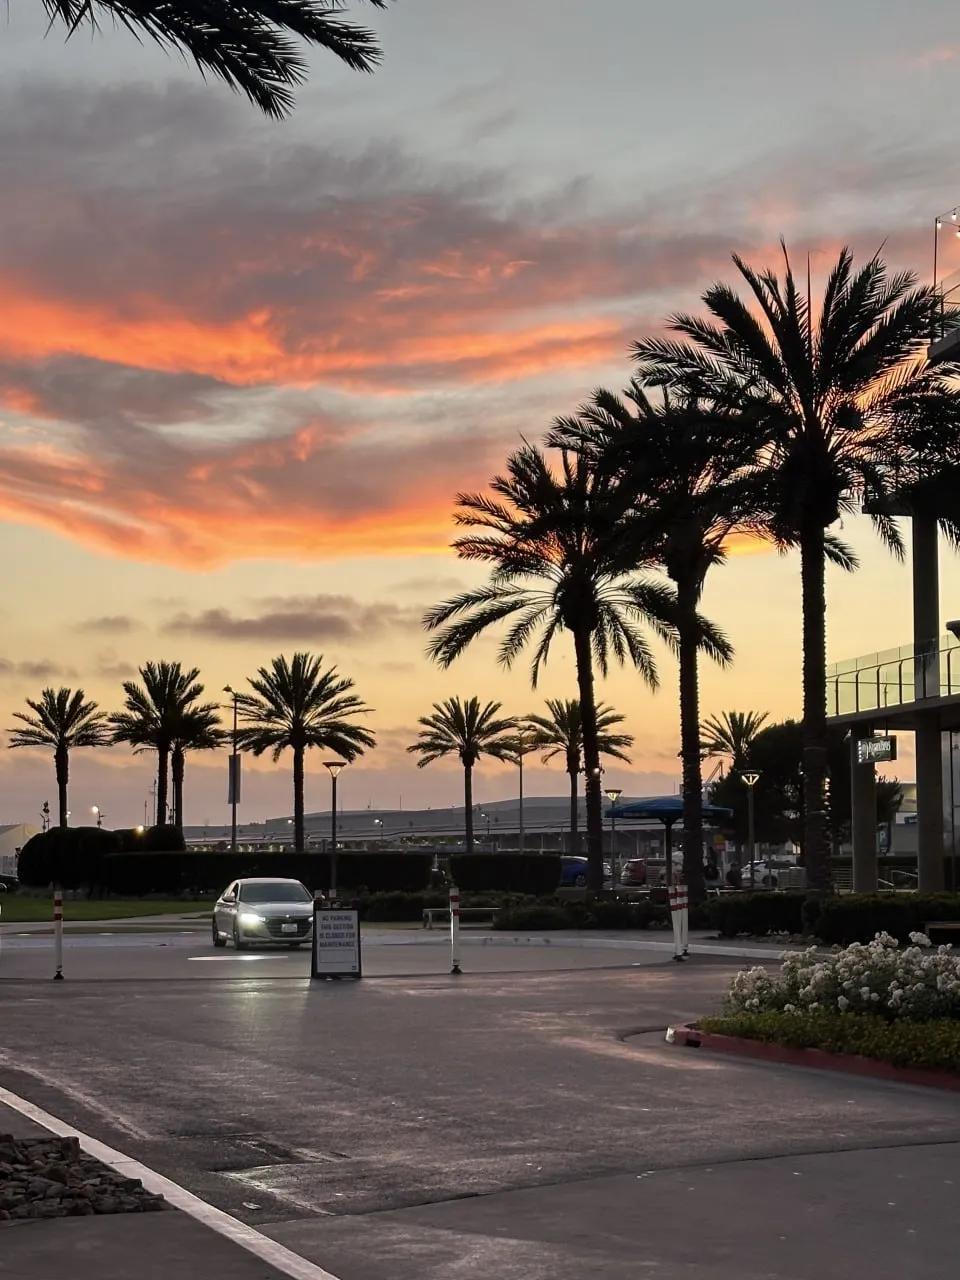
<point>893,677</point>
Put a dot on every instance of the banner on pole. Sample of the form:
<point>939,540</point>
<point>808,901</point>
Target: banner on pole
<point>233,780</point>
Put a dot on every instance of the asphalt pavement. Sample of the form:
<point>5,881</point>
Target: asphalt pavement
<point>523,1120</point>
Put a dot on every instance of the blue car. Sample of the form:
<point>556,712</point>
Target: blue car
<point>573,873</point>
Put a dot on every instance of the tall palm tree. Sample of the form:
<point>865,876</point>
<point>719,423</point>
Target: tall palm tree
<point>690,464</point>
<point>730,734</point>
<point>62,720</point>
<point>296,704</point>
<point>824,389</point>
<point>155,714</point>
<point>561,733</point>
<point>248,45</point>
<point>199,730</point>
<point>556,544</point>
<point>468,730</point>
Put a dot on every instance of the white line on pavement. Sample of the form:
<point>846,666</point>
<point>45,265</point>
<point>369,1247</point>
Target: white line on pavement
<point>247,1237</point>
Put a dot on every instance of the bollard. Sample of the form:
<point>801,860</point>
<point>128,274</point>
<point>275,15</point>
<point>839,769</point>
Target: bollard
<point>679,917</point>
<point>455,930</point>
<point>58,932</point>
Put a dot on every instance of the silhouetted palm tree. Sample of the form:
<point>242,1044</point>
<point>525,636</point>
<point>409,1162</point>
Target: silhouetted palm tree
<point>730,734</point>
<point>691,465</point>
<point>199,731</point>
<point>557,546</point>
<point>61,721</point>
<point>296,704</point>
<point>561,733</point>
<point>248,45</point>
<point>155,714</point>
<point>824,390</point>
<point>468,730</point>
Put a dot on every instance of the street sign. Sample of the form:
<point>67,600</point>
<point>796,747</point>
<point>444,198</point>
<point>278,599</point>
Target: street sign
<point>876,750</point>
<point>336,944</point>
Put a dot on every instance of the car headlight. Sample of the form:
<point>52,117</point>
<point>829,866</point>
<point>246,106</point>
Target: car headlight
<point>250,918</point>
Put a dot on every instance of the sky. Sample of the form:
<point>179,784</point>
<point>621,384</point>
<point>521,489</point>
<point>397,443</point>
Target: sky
<point>245,365</point>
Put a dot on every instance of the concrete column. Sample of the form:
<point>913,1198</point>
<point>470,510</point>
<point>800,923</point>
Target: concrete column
<point>926,633</point>
<point>863,817</point>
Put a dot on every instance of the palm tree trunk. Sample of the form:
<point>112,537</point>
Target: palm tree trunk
<point>687,598</point>
<point>62,760</point>
<point>298,799</point>
<point>573,769</point>
<point>163,755</point>
<point>177,767</point>
<point>468,807</point>
<point>816,850</point>
<point>591,759</point>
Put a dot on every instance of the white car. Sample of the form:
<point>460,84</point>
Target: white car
<point>263,910</point>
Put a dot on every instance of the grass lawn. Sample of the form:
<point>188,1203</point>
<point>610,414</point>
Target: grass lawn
<point>15,909</point>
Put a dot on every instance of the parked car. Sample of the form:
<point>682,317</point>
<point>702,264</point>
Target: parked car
<point>633,873</point>
<point>263,910</point>
<point>574,871</point>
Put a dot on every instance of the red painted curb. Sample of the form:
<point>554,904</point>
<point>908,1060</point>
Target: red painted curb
<point>850,1064</point>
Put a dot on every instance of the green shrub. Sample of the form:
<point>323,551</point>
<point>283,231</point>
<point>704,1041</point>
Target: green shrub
<point>73,857</point>
<point>932,1045</point>
<point>859,917</point>
<point>163,839</point>
<point>586,913</point>
<point>756,913</point>
<point>533,873</point>
<point>536,915</point>
<point>397,905</point>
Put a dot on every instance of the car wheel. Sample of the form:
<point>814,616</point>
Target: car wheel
<point>238,942</point>
<point>218,939</point>
<point>580,882</point>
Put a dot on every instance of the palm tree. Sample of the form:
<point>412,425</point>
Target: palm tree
<point>155,716</point>
<point>730,734</point>
<point>247,45</point>
<point>199,730</point>
<point>296,704</point>
<point>824,391</point>
<point>561,733</point>
<point>470,731</point>
<point>690,464</point>
<point>557,548</point>
<point>61,721</point>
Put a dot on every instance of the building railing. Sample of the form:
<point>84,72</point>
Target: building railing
<point>894,677</point>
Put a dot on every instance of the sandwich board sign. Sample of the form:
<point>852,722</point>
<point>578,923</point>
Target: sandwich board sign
<point>336,944</point>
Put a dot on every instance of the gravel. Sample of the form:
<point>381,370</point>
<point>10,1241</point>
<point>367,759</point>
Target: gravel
<point>53,1178</point>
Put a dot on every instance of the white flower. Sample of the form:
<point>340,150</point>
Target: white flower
<point>843,1003</point>
<point>920,940</point>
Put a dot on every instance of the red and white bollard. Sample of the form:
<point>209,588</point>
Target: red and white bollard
<point>58,933</point>
<point>455,930</point>
<point>679,917</point>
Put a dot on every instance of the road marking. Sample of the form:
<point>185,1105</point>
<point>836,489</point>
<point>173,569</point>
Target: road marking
<point>79,1096</point>
<point>269,1251</point>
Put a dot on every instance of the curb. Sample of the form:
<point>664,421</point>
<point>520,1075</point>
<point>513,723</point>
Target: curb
<point>691,1037</point>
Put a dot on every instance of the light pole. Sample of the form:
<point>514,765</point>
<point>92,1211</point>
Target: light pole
<point>521,751</point>
<point>333,767</point>
<point>751,780</point>
<point>234,783</point>
<point>378,822</point>
<point>613,794</point>
<point>99,812</point>
<point>45,815</point>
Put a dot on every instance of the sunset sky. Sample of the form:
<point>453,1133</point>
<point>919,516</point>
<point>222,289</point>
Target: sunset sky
<point>245,365</point>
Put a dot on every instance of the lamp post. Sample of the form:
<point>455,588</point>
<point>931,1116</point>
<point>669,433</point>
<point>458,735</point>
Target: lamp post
<point>234,787</point>
<point>378,822</point>
<point>521,750</point>
<point>99,812</point>
<point>45,815</point>
<point>751,780</point>
<point>333,767</point>
<point>613,794</point>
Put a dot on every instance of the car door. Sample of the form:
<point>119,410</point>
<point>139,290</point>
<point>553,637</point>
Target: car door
<point>226,909</point>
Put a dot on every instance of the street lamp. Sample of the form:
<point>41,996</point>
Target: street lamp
<point>45,815</point>
<point>99,812</point>
<point>378,822</point>
<point>333,767</point>
<point>751,780</point>
<point>521,751</point>
<point>613,794</point>
<point>233,786</point>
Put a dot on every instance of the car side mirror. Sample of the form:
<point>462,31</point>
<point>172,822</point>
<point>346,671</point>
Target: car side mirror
<point>229,898</point>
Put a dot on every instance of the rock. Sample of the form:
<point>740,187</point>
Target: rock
<point>56,1191</point>
<point>58,1173</point>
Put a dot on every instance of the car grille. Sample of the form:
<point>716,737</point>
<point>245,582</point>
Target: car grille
<point>276,930</point>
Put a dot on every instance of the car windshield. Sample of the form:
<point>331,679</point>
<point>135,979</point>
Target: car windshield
<point>274,891</point>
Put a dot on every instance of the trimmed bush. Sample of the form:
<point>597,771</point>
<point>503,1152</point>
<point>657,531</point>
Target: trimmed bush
<point>163,839</point>
<point>859,917</point>
<point>600,913</point>
<point>933,1045</point>
<point>537,915</point>
<point>73,857</point>
<point>757,913</point>
<point>533,873</point>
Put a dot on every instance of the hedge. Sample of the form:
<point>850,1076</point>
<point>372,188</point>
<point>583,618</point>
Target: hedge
<point>173,873</point>
<point>534,873</point>
<point>933,1045</point>
<point>757,913</point>
<point>859,917</point>
<point>70,856</point>
<point>586,914</point>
